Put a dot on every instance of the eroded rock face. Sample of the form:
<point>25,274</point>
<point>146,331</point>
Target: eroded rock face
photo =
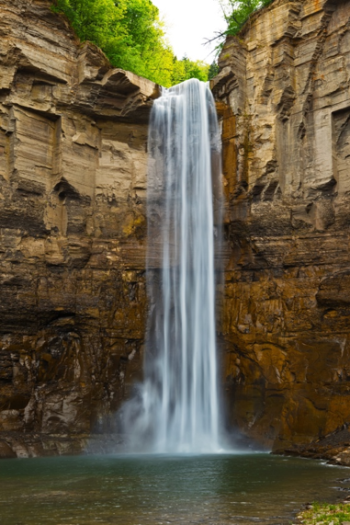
<point>73,230</point>
<point>73,167</point>
<point>283,89</point>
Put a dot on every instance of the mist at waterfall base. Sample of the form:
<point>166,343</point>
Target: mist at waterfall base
<point>176,409</point>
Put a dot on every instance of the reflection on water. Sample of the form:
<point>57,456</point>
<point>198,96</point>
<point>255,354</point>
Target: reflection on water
<point>215,490</point>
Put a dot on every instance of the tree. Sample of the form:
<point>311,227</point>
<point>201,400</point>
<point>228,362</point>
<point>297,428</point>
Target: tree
<point>184,69</point>
<point>132,36</point>
<point>213,69</point>
<point>99,21</point>
<point>237,12</point>
<point>144,50</point>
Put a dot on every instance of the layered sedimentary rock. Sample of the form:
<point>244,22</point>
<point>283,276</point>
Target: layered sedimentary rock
<point>72,232</point>
<point>283,89</point>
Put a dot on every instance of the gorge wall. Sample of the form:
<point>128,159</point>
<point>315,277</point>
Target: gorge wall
<point>283,91</point>
<point>73,163</point>
<point>73,167</point>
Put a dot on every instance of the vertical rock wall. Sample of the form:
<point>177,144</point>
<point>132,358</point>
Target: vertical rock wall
<point>73,230</point>
<point>283,89</point>
<point>73,165</point>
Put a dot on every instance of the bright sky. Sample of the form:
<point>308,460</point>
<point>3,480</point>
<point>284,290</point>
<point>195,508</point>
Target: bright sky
<point>189,23</point>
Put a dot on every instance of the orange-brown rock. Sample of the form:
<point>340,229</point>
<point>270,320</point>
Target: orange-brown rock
<point>73,166</point>
<point>284,83</point>
<point>73,230</point>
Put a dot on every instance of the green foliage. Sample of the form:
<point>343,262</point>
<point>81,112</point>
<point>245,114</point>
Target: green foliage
<point>213,70</point>
<point>185,69</point>
<point>325,514</point>
<point>131,35</point>
<point>237,13</point>
<point>95,20</point>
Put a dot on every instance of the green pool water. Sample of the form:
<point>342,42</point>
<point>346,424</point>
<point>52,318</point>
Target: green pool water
<point>143,490</point>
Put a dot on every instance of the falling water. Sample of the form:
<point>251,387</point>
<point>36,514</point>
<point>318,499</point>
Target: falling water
<point>178,409</point>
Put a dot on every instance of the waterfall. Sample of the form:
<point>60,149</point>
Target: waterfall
<point>176,409</point>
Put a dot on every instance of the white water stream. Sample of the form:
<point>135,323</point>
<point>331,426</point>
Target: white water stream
<point>177,408</point>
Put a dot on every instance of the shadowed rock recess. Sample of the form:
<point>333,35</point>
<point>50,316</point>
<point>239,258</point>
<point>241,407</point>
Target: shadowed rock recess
<point>283,91</point>
<point>73,165</point>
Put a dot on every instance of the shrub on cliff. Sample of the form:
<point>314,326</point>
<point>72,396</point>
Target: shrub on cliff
<point>237,12</point>
<point>131,35</point>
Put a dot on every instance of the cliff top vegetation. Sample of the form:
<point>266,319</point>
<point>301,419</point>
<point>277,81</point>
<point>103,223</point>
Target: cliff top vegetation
<point>237,13</point>
<point>132,36</point>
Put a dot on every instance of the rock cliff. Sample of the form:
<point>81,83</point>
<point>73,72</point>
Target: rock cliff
<point>73,230</point>
<point>283,90</point>
<point>73,165</point>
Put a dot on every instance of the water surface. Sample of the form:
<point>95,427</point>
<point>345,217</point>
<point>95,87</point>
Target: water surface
<point>145,490</point>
